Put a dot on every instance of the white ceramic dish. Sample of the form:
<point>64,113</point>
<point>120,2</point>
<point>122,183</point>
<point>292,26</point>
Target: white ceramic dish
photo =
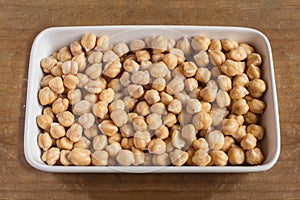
<point>52,39</point>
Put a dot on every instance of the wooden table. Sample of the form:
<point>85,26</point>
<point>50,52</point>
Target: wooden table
<point>21,21</point>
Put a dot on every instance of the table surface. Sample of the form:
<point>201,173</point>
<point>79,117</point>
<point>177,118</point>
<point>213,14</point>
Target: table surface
<point>21,21</point>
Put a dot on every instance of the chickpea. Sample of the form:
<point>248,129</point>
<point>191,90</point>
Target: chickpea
<point>70,81</point>
<point>232,68</point>
<point>191,84</point>
<point>159,84</point>
<point>92,98</point>
<point>60,105</point>
<point>240,133</point>
<point>228,142</point>
<point>201,59</point>
<point>45,80</point>
<point>209,94</point>
<point>215,44</point>
<point>56,85</point>
<point>240,80</point>
<point>159,42</point>
<point>157,146</point>
<point>162,132</point>
<point>144,65</point>
<point>224,83</point>
<point>251,118</point>
<point>70,67</point>
<point>219,158</point>
<point>142,55</point>
<point>256,106</point>
<point>81,61</point>
<point>206,107</point>
<point>125,157</point>
<point>223,99</point>
<point>217,115</point>
<point>91,132</point>
<point>107,95</point>
<point>249,49</point>
<point>254,59</point>
<point>86,120</point>
<point>135,91</point>
<point>102,43</point>
<point>200,43</point>
<point>248,142</point>
<point>99,109</point>
<point>202,120</point>
<point>188,132</point>
<point>108,128</point>
<point>193,106</point>
<point>117,105</point>
<point>125,79</point>
<point>157,56</point>
<point>47,64</point>
<point>82,107</point>
<point>161,159</point>
<point>165,98</point>
<point>51,156</point>
<point>127,143</point>
<point>236,155</point>
<point>99,158</point>
<point>253,72</point>
<point>44,122</point>
<point>112,69</point>
<point>177,140</point>
<point>230,126</point>
<point>115,85</point>
<point>113,149</point>
<point>119,117</point>
<point>139,157</point>
<point>184,45</point>
<point>170,60</point>
<point>94,71</point>
<point>200,158</point>
<point>256,88</point>
<point>256,130</point>
<point>175,106</point>
<point>137,45</point>
<point>64,54</point>
<point>239,118</point>
<point>169,120</point>
<point>127,130</point>
<point>79,157</point>
<point>142,108</point>
<point>44,141</point>
<point>99,142</point>
<point>189,68</point>
<point>158,108</point>
<point>131,117</point>
<point>176,85</point>
<point>83,143</point>
<point>229,44</point>
<point>65,118</point>
<point>140,77</point>
<point>215,140</point>
<point>48,111</point>
<point>141,139</point>
<point>237,54</point>
<point>57,130</point>
<point>238,92</point>
<point>254,156</point>
<point>139,124</point>
<point>63,157</point>
<point>154,121</point>
<point>217,57</point>
<point>83,79</point>
<point>95,57</point>
<point>178,157</point>
<point>46,96</point>
<point>129,103</point>
<point>121,48</point>
<point>158,70</point>
<point>74,133</point>
<point>240,107</point>
<point>64,143</point>
<point>88,41</point>
<point>203,75</point>
<point>57,69</point>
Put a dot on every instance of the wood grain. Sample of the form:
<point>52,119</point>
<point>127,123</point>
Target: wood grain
<point>21,21</point>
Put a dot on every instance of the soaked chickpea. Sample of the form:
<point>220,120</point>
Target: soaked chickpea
<point>240,107</point>
<point>74,96</point>
<point>201,59</point>
<point>256,106</point>
<point>44,141</point>
<point>46,96</point>
<point>230,126</point>
<point>248,142</point>
<point>44,121</point>
<point>139,124</point>
<point>51,156</point>
<point>79,157</point>
<point>215,140</point>
<point>254,156</point>
<point>74,133</point>
<point>217,57</point>
<point>236,155</point>
<point>253,72</point>
<point>256,130</point>
<point>257,87</point>
<point>228,142</point>
<point>57,130</point>
<point>65,118</point>
<point>178,157</point>
<point>219,158</point>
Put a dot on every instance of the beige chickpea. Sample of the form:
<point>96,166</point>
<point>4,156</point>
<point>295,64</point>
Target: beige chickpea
<point>170,60</point>
<point>178,157</point>
<point>236,155</point>
<point>217,57</point>
<point>46,96</point>
<point>131,117</point>
<point>209,94</point>
<point>79,157</point>
<point>74,133</point>
<point>82,80</point>
<point>137,45</point>
<point>162,132</point>
<point>144,65</point>
<point>125,79</point>
<point>83,143</point>
<point>176,85</point>
<point>142,108</point>
<point>48,111</point>
<point>152,96</point>
<point>64,143</point>
<point>159,84</point>
<point>154,121</point>
<point>203,75</point>
<point>256,106</point>
<point>224,83</point>
<point>51,156</point>
<point>177,139</point>
<point>81,61</point>
<point>60,105</point>
<point>108,128</point>
<point>65,118</point>
<point>184,118</point>
<point>240,80</point>
<point>189,68</point>
<point>249,49</point>
<point>119,117</point>
<point>169,120</point>
<point>95,57</point>
<point>161,159</point>
<point>157,146</point>
<point>135,91</point>
<point>99,158</point>
<point>159,42</point>
<point>257,87</point>
<point>217,115</point>
<point>171,43</point>
<point>56,85</point>
<point>47,64</point>
<point>200,158</point>
<point>193,106</point>
<point>88,41</point>
<point>202,120</point>
<point>99,142</point>
<point>256,130</point>
<point>57,130</point>
<point>69,67</point>
<point>206,107</point>
<point>229,44</point>
<point>129,103</point>
<point>240,133</point>
<point>102,43</point>
<point>232,68</point>
<point>200,43</point>
<point>44,122</point>
<point>254,59</point>
<point>139,157</point>
<point>188,132</point>
<point>158,108</point>
<point>82,107</point>
<point>127,130</point>
<point>113,149</point>
<point>190,84</point>
<point>117,104</point>
<point>140,77</point>
<point>121,48</point>
<point>253,72</point>
<point>238,92</point>
<point>165,98</point>
<point>178,53</point>
<point>115,85</point>
<point>94,70</point>
<point>201,59</point>
<point>142,55</point>
<point>223,99</point>
<point>230,126</point>
<point>228,142</point>
<point>237,54</point>
<point>139,124</point>
<point>92,98</point>
<point>219,158</point>
<point>86,120</point>
<point>107,95</point>
<point>63,157</point>
<point>56,70</point>
<point>44,141</point>
<point>127,143</point>
<point>64,54</point>
<point>254,156</point>
<point>158,70</point>
<point>248,142</point>
<point>91,132</point>
<point>215,140</point>
<point>99,109</point>
<point>70,81</point>
<point>112,69</point>
<point>184,44</point>
<point>239,118</point>
<point>141,139</point>
<point>240,107</point>
<point>175,106</point>
<point>125,157</point>
<point>45,80</point>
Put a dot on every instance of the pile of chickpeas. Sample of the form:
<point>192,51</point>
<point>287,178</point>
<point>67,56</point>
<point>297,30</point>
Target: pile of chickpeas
<point>152,101</point>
